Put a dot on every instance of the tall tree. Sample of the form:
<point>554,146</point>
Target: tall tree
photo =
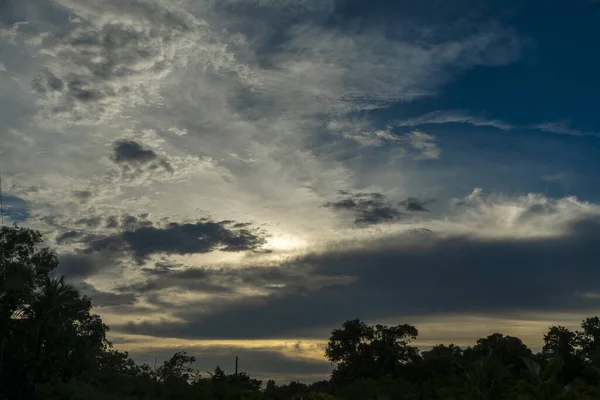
<point>562,342</point>
<point>51,306</point>
<point>363,351</point>
<point>24,265</point>
<point>509,349</point>
<point>589,339</point>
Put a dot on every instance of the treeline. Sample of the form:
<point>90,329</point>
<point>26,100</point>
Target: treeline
<point>53,347</point>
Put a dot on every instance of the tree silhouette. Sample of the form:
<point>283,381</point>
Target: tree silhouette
<point>363,351</point>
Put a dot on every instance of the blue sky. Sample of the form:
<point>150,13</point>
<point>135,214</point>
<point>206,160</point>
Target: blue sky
<point>239,177</point>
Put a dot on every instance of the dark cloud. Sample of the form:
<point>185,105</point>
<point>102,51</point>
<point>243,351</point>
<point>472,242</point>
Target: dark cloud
<point>367,208</point>
<point>69,237</point>
<point>73,94</point>
<point>112,222</point>
<point>135,160</point>
<point>413,204</point>
<point>106,299</point>
<point>82,195</point>
<point>190,238</point>
<point>46,83</point>
<point>107,244</point>
<point>130,151</point>
<point>197,279</point>
<point>229,280</point>
<point>80,265</point>
<point>130,222</point>
<point>416,275</point>
<point>139,239</point>
<point>92,222</point>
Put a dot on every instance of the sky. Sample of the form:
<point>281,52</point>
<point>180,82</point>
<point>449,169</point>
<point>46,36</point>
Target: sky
<point>240,177</point>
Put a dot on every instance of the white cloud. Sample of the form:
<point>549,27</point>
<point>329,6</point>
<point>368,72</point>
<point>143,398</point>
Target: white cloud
<point>562,128</point>
<point>345,72</point>
<point>189,81</point>
<point>464,117</point>
<point>424,144</point>
<point>115,56</point>
<point>561,177</point>
<point>176,131</point>
<point>453,116</point>
<point>525,216</point>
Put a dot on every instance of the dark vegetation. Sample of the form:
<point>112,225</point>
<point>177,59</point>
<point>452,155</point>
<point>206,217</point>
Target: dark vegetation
<point>53,347</point>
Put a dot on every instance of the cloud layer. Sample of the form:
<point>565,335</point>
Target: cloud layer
<point>413,273</point>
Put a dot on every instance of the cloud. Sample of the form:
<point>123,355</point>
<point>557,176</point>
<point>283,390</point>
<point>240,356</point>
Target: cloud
<point>370,137</point>
<point>139,240</point>
<point>407,276</point>
<point>424,144</point>
<point>127,151</point>
<point>562,128</point>
<point>131,222</point>
<point>79,265</point>
<point>137,161</point>
<point>114,56</point>
<point>176,131</point>
<point>364,66</point>
<point>495,215</point>
<point>82,195</point>
<point>69,236</point>
<point>106,299</point>
<point>227,281</point>
<point>453,116</point>
<point>367,208</point>
<point>142,158</point>
<point>361,133</point>
<point>205,69</point>
<point>464,117</point>
<point>560,177</point>
<point>92,222</point>
<point>413,204</point>
<point>189,238</point>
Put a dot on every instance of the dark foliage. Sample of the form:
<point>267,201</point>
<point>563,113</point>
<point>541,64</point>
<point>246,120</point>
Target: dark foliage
<point>53,347</point>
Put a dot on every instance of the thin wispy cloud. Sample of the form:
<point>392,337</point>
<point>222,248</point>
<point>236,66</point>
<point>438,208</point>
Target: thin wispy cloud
<point>453,116</point>
<point>562,128</point>
<point>424,144</point>
<point>441,117</point>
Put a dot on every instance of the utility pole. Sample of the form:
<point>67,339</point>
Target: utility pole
<point>236,365</point>
<point>155,361</point>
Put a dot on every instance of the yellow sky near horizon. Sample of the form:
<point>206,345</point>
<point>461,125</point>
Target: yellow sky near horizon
<point>442,329</point>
